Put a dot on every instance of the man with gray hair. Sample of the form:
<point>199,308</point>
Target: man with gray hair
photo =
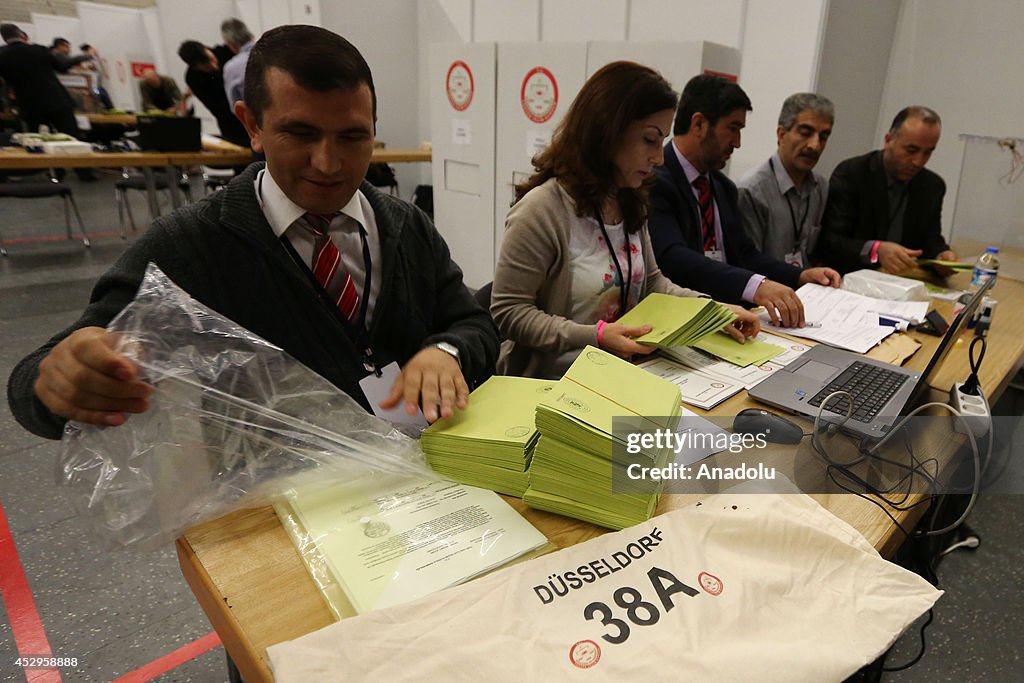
<point>239,40</point>
<point>782,200</point>
<point>884,208</point>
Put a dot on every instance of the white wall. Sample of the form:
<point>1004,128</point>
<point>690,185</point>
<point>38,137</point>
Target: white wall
<point>119,35</point>
<point>719,21</point>
<point>50,26</point>
<point>963,60</point>
<point>854,62</point>
<point>781,44</point>
<point>385,31</point>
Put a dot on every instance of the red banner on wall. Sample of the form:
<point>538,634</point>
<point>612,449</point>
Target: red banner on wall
<point>139,67</point>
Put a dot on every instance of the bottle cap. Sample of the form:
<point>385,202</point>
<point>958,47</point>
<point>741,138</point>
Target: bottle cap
<point>992,250</point>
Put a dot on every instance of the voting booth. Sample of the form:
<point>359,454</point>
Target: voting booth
<point>536,84</point>
<point>462,87</point>
<point>494,106</point>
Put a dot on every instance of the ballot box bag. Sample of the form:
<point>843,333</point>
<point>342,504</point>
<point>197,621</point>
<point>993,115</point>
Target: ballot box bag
<point>751,587</point>
<point>234,422</point>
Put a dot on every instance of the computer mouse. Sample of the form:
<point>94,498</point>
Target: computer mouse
<point>776,429</point>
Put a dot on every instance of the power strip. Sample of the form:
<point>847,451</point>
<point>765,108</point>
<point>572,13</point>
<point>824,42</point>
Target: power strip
<point>974,409</point>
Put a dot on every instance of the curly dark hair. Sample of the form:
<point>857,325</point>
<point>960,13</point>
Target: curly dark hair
<point>582,151</point>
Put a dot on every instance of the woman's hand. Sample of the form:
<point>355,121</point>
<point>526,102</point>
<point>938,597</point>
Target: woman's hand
<point>618,339</point>
<point>745,326</point>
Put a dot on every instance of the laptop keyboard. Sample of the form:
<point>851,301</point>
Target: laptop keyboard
<point>870,385</point>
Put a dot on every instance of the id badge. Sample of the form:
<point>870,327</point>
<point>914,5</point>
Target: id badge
<point>377,389</point>
<point>794,258</point>
<point>714,254</point>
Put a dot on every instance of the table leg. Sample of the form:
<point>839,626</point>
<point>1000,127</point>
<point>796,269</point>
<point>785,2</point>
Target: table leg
<point>173,174</point>
<point>154,204</point>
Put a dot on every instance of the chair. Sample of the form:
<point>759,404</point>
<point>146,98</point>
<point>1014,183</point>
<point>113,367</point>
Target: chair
<point>51,187</point>
<point>216,178</point>
<point>137,181</point>
<point>483,296</point>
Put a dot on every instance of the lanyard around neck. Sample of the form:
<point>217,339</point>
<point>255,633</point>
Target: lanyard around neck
<point>624,285</point>
<point>798,228</point>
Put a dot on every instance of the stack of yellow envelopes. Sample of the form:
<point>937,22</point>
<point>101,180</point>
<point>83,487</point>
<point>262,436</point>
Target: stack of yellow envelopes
<point>491,442</point>
<point>677,320</point>
<point>573,466</point>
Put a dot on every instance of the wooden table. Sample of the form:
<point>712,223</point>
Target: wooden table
<point>220,154</point>
<point>252,584</point>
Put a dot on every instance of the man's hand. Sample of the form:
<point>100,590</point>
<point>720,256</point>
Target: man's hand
<point>745,326</point>
<point>431,378</point>
<point>618,339</point>
<point>820,276</point>
<point>783,305</point>
<point>895,258</point>
<point>84,379</point>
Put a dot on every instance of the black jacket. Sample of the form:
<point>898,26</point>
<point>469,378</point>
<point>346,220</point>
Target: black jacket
<point>208,87</point>
<point>31,71</point>
<point>857,211</point>
<point>675,229</point>
<point>223,252</point>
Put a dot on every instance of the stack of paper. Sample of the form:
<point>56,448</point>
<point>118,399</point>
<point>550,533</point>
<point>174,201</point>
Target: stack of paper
<point>677,320</point>
<point>573,468</point>
<point>391,539</point>
<point>491,442</point>
<point>705,382</point>
<point>751,352</point>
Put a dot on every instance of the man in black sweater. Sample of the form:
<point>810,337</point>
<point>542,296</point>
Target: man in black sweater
<point>254,252</point>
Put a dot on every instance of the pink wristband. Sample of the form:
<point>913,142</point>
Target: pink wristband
<point>600,332</point>
<point>874,251</point>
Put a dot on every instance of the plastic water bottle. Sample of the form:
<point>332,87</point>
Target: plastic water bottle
<point>986,268</point>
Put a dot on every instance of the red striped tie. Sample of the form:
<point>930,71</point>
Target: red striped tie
<point>707,211</point>
<point>328,268</point>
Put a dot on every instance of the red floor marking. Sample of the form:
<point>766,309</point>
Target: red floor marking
<point>26,626</point>
<point>172,660</point>
<point>76,237</point>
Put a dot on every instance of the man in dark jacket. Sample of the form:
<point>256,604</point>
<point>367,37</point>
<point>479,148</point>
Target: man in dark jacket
<point>695,224</point>
<point>884,208</point>
<point>31,71</point>
<point>257,253</point>
<point>205,79</point>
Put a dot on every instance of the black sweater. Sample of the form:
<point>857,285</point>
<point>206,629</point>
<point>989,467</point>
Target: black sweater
<point>223,252</point>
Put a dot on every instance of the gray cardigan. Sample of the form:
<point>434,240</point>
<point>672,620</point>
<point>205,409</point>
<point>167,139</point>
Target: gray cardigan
<point>532,297</point>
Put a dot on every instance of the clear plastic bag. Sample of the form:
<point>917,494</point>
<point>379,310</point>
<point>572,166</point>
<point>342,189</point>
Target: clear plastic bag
<point>233,422</point>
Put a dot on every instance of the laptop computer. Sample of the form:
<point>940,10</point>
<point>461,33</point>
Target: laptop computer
<point>882,392</point>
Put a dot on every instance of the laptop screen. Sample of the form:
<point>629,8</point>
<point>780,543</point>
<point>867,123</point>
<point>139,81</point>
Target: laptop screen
<point>946,344</point>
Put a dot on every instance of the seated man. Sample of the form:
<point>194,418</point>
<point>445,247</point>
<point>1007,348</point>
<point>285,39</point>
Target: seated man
<point>884,208</point>
<point>251,252</point>
<point>782,200</point>
<point>159,92</point>
<point>695,224</point>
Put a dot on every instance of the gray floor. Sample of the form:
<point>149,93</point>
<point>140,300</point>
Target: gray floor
<point>117,612</point>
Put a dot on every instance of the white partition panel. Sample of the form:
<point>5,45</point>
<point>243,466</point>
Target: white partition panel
<point>120,37</point>
<point>461,89</point>
<point>536,84</point>
<point>50,26</point>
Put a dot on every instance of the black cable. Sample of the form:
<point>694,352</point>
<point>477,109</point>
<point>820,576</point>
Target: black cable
<point>970,387</point>
<point>920,654</point>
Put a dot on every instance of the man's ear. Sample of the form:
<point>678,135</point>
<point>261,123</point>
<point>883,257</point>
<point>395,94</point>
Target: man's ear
<point>779,132</point>
<point>698,123</point>
<point>252,127</point>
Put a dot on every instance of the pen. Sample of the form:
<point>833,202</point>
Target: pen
<point>808,323</point>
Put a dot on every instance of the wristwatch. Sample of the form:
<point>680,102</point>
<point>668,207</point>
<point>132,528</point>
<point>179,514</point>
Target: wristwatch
<point>451,350</point>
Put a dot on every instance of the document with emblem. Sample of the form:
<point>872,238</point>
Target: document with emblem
<point>393,539</point>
